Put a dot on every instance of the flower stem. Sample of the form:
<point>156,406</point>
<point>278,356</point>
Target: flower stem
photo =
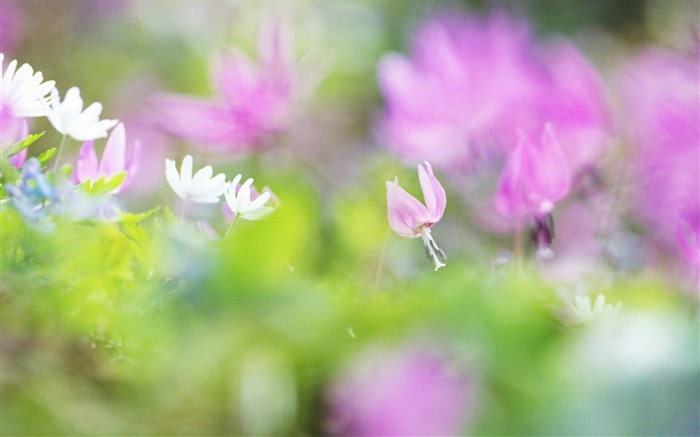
<point>233,223</point>
<point>518,249</point>
<point>380,262</point>
<point>61,146</point>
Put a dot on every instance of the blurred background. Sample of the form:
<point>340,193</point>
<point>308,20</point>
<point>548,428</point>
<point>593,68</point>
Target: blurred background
<point>319,320</point>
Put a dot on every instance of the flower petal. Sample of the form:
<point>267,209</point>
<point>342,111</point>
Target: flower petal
<point>406,213</point>
<point>433,192</point>
<point>113,159</point>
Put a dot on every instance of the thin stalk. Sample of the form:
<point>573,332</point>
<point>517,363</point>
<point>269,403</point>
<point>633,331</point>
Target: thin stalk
<point>519,243</point>
<point>380,263</point>
<point>61,146</point>
<point>233,223</point>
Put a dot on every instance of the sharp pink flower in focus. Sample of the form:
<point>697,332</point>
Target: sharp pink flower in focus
<point>254,99</point>
<point>410,218</point>
<point>471,82</point>
<point>535,177</point>
<point>113,162</point>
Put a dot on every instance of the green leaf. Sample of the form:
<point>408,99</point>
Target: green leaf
<point>21,145</point>
<point>103,185</point>
<point>46,156</point>
<point>9,172</point>
<point>130,218</point>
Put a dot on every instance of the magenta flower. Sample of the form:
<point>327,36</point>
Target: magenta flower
<point>113,162</point>
<point>413,391</point>
<point>253,103</point>
<point>410,218</point>
<point>660,90</point>
<point>471,83</point>
<point>535,177</point>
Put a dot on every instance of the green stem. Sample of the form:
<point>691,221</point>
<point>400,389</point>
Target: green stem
<point>380,262</point>
<point>518,249</point>
<point>61,146</point>
<point>233,223</point>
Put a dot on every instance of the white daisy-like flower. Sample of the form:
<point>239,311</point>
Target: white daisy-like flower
<point>201,188</point>
<point>23,91</point>
<point>245,202</point>
<point>68,116</point>
<point>585,312</point>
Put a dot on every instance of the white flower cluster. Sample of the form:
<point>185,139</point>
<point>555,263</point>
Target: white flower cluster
<point>24,94</point>
<point>243,200</point>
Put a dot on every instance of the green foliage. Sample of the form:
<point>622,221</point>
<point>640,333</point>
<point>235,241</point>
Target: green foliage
<point>17,147</point>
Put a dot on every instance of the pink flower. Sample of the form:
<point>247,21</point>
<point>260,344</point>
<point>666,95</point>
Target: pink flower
<point>410,218</point>
<point>253,103</point>
<point>471,83</point>
<point>660,93</point>
<point>401,392</point>
<point>113,160</point>
<point>535,177</point>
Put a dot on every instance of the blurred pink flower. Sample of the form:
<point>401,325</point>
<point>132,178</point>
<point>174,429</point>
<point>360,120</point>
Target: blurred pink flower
<point>412,391</point>
<point>410,218</point>
<point>535,177</point>
<point>661,113</point>
<point>11,25</point>
<point>471,83</point>
<point>253,103</point>
<point>113,160</point>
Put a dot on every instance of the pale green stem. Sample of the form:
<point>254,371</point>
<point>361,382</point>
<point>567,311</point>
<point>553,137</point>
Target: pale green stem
<point>518,249</point>
<point>380,262</point>
<point>233,223</point>
<point>57,157</point>
<point>183,210</point>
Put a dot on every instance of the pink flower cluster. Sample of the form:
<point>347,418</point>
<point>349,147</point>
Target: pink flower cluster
<point>661,97</point>
<point>471,84</point>
<point>253,102</point>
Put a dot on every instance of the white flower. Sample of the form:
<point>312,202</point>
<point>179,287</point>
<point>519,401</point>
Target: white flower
<point>201,188</point>
<point>22,92</point>
<point>244,201</point>
<point>69,118</point>
<point>585,313</point>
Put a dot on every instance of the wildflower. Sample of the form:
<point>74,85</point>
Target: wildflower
<point>660,90</point>
<point>587,313</point>
<point>23,94</point>
<point>410,218</point>
<point>414,390</point>
<point>69,119</point>
<point>534,177</point>
<point>254,99</point>
<point>113,161</point>
<point>201,188</point>
<point>246,202</point>
<point>469,80</point>
<point>689,241</point>
<point>34,196</point>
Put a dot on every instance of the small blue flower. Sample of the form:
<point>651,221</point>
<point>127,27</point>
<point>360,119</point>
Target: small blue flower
<point>35,196</point>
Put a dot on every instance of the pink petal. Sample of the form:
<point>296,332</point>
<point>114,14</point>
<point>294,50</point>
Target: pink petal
<point>433,192</point>
<point>199,121</point>
<point>18,160</point>
<point>132,165</point>
<point>237,79</point>
<point>86,167</point>
<point>509,197</point>
<point>689,241</point>
<point>113,156</point>
<point>406,213</point>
